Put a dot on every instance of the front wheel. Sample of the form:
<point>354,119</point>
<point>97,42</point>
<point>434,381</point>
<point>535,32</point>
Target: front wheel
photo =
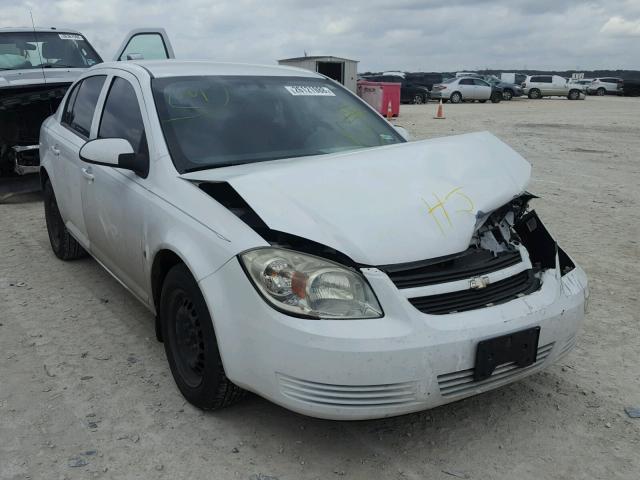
<point>64,246</point>
<point>574,95</point>
<point>601,92</point>
<point>418,99</point>
<point>507,95</point>
<point>456,97</point>
<point>190,343</point>
<point>496,97</point>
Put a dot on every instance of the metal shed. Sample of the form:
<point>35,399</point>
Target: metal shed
<point>342,70</point>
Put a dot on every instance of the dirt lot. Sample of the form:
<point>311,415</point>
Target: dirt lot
<point>85,391</point>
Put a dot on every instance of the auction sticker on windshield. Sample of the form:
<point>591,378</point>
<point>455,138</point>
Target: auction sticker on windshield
<point>310,91</point>
<point>70,36</point>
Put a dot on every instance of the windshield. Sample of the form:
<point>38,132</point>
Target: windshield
<point>215,121</point>
<point>25,50</point>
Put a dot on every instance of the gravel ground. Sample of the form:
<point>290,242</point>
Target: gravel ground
<point>85,390</point>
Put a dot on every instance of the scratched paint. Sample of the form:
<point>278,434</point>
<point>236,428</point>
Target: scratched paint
<point>443,206</point>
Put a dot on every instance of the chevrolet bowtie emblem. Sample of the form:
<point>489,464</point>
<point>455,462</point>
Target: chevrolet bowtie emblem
<point>479,282</point>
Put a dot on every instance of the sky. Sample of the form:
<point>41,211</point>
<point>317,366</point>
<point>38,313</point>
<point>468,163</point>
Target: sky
<point>410,35</point>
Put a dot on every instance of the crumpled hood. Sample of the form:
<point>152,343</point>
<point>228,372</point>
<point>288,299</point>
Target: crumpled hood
<point>394,204</point>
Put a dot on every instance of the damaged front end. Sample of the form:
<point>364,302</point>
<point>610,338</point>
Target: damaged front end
<point>508,254</point>
<point>22,111</point>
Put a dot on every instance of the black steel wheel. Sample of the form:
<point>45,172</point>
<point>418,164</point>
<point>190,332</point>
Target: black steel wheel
<point>191,345</point>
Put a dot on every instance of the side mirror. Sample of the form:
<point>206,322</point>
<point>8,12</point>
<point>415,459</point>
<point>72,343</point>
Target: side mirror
<point>114,152</point>
<point>403,132</point>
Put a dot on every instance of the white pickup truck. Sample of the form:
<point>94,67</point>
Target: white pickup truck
<point>36,68</point>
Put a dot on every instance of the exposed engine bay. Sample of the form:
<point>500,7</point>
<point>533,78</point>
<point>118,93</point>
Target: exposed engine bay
<point>22,110</point>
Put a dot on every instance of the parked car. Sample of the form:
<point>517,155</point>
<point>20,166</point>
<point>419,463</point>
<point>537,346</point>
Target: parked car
<point>538,86</point>
<point>409,91</point>
<point>509,90</point>
<point>424,79</point>
<point>606,86</point>
<point>461,89</point>
<point>405,275</point>
<point>36,68</point>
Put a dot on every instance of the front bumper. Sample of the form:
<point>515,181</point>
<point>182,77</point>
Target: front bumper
<point>404,362</point>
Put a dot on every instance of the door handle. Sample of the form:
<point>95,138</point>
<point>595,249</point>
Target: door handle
<point>86,173</point>
<point>55,150</point>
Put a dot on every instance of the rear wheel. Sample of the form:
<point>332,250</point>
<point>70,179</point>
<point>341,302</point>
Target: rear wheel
<point>63,244</point>
<point>418,99</point>
<point>601,92</point>
<point>496,97</point>
<point>574,95</point>
<point>455,97</point>
<point>507,95</point>
<point>534,94</point>
<point>190,343</point>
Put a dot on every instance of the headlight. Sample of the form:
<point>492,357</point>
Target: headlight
<point>309,286</point>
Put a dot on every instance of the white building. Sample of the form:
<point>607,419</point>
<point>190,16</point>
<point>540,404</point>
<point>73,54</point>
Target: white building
<point>342,70</point>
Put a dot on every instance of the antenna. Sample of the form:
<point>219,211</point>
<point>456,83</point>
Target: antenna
<point>35,35</point>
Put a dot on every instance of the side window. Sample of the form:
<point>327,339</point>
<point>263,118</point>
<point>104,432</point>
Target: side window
<point>81,106</point>
<point>481,83</point>
<point>546,79</point>
<point>147,46</point>
<point>121,117</point>
<point>66,115</point>
<point>466,81</point>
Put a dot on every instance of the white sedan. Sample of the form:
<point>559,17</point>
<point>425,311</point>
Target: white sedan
<point>291,243</point>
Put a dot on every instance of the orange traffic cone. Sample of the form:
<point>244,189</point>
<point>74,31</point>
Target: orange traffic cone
<point>440,111</point>
<point>389,111</point>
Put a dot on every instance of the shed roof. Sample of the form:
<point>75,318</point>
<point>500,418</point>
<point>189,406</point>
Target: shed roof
<point>316,57</point>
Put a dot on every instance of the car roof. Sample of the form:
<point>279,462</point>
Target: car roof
<point>37,30</point>
<point>182,68</point>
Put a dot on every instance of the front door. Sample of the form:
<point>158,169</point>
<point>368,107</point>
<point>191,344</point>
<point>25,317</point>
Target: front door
<point>145,44</point>
<point>114,199</point>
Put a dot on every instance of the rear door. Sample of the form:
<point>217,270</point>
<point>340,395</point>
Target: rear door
<point>466,86</point>
<point>145,44</point>
<point>68,137</point>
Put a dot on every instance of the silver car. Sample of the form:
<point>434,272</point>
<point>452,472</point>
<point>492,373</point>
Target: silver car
<point>461,89</point>
<point>606,86</point>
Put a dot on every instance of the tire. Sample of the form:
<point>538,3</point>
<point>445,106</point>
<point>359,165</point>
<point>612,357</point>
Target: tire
<point>455,97</point>
<point>418,99</point>
<point>573,94</point>
<point>190,344</point>
<point>534,94</point>
<point>601,92</point>
<point>64,246</point>
<point>507,95</point>
<point>496,97</point>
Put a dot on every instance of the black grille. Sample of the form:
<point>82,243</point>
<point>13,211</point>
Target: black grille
<point>472,262</point>
<point>502,291</point>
